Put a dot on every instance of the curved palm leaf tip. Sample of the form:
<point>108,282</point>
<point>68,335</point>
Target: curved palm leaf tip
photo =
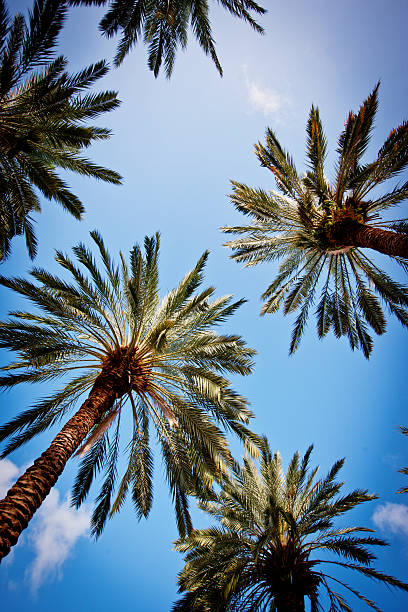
<point>277,542</point>
<point>163,25</point>
<point>316,229</point>
<point>404,431</point>
<point>163,362</point>
<point>43,120</point>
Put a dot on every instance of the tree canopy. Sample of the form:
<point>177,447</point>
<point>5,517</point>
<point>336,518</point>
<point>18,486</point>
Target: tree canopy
<point>318,230</point>
<point>163,26</point>
<point>162,361</point>
<point>276,541</point>
<point>43,120</point>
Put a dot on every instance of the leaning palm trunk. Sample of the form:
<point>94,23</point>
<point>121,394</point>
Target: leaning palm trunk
<point>31,489</point>
<point>384,241</point>
<point>160,360</point>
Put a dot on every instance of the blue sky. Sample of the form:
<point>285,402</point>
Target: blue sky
<point>177,143</point>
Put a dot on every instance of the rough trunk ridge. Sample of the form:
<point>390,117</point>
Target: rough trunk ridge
<point>30,490</point>
<point>384,241</point>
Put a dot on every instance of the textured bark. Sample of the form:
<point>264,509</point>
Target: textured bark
<point>30,490</point>
<point>290,602</point>
<point>384,241</point>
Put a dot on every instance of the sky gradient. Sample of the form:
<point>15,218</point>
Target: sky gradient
<point>177,144</point>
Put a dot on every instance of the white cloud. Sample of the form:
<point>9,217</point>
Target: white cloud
<point>268,101</point>
<point>53,536</point>
<point>392,517</point>
<point>53,532</point>
<point>8,475</point>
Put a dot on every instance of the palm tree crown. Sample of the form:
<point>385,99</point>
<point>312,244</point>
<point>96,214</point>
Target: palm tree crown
<point>163,25</point>
<point>316,228</point>
<point>42,120</point>
<point>266,555</point>
<point>161,362</point>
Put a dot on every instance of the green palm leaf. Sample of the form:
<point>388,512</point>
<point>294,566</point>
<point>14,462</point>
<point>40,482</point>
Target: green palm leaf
<point>163,26</point>
<point>160,360</point>
<point>43,114</point>
<point>264,551</point>
<point>318,231</point>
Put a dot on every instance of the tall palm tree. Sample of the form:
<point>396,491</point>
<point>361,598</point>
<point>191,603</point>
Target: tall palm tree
<point>269,551</point>
<point>43,120</point>
<point>155,362</point>
<point>164,24</point>
<point>319,229</point>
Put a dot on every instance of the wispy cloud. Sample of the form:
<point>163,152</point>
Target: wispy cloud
<point>266,100</point>
<point>54,530</point>
<point>8,475</point>
<point>53,536</point>
<point>392,517</point>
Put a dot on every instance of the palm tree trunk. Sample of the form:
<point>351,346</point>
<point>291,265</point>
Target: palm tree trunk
<point>290,602</point>
<point>384,241</point>
<point>30,490</point>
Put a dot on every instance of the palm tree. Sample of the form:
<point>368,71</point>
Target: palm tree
<point>155,362</point>
<point>268,552</point>
<point>319,229</point>
<point>163,24</point>
<point>43,120</point>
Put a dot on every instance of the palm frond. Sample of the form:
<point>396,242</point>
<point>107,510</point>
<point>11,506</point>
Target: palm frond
<point>163,360</point>
<point>34,145</point>
<point>271,526</point>
<point>163,27</point>
<point>314,221</point>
